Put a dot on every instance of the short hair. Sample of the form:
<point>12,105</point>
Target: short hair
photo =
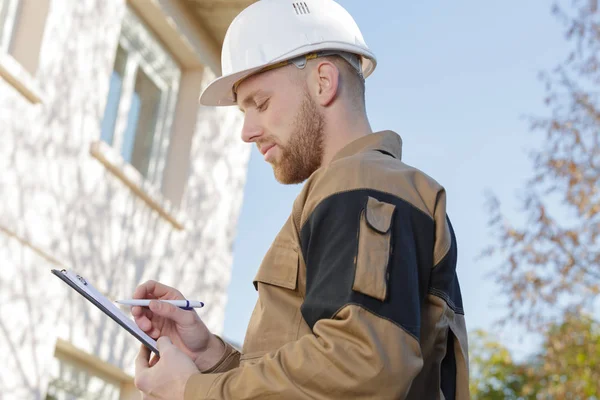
<point>355,80</point>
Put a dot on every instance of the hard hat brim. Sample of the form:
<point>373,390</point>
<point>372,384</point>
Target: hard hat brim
<point>220,91</point>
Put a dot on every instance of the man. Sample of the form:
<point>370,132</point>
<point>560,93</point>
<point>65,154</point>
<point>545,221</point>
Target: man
<point>358,294</point>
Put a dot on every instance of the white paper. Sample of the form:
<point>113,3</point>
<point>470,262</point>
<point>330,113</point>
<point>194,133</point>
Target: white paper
<point>114,310</point>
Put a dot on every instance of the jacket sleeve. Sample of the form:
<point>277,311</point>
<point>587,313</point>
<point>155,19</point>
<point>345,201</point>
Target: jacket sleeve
<point>229,360</point>
<point>362,303</point>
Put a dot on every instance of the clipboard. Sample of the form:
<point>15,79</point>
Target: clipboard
<point>84,288</point>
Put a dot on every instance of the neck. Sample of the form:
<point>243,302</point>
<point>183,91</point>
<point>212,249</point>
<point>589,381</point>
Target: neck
<point>342,128</point>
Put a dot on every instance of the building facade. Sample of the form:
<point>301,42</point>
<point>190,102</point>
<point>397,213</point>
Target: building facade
<point>110,168</point>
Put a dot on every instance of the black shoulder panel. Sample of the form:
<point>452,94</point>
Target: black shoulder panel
<point>329,241</point>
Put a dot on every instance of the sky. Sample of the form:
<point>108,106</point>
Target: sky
<point>455,80</point>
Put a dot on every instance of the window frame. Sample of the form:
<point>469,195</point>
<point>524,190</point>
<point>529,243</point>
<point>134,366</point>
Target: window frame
<point>160,66</point>
<point>19,55</point>
<point>9,22</point>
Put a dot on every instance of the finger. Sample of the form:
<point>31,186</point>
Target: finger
<point>154,333</point>
<point>141,292</point>
<point>137,311</point>
<point>154,360</point>
<point>144,323</point>
<point>148,326</point>
<point>141,361</point>
<point>142,369</point>
<point>152,289</point>
<point>147,312</point>
<point>142,312</point>
<point>171,312</point>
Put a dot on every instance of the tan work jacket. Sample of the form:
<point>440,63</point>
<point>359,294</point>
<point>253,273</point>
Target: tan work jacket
<point>358,296</point>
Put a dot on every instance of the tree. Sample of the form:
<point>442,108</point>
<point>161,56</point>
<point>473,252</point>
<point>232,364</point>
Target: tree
<point>567,366</point>
<point>551,263</point>
<point>494,373</point>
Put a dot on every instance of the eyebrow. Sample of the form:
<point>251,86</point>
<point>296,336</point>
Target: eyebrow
<point>248,100</point>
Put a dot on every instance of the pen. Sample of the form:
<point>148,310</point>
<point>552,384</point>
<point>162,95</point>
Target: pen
<point>184,304</point>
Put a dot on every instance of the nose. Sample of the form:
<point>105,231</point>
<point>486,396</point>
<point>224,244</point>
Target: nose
<point>251,131</point>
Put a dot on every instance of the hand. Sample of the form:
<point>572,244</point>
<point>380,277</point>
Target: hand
<point>184,328</point>
<point>167,377</point>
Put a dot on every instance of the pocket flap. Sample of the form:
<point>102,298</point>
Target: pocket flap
<point>279,267</point>
<point>379,215</point>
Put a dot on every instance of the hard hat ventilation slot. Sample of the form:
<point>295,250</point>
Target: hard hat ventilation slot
<point>301,8</point>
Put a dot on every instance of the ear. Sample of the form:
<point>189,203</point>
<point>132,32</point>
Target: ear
<point>327,82</point>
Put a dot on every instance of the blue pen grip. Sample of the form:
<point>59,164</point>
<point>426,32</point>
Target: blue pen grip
<point>187,306</point>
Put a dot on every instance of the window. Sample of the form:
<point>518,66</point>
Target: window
<point>22,24</point>
<point>141,100</point>
<point>8,14</point>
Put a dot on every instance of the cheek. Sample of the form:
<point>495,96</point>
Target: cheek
<point>280,123</point>
<point>277,118</point>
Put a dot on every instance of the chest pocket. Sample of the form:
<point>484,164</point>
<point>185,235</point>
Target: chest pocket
<point>276,317</point>
<point>279,267</point>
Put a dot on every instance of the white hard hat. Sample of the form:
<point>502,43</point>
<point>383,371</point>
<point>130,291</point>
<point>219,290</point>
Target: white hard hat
<point>269,32</point>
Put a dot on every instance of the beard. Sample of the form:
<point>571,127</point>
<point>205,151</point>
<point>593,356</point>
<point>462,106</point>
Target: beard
<point>303,154</point>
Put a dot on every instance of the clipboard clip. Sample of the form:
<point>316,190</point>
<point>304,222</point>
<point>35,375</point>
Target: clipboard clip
<point>79,277</point>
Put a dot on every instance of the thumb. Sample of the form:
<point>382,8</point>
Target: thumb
<point>171,312</point>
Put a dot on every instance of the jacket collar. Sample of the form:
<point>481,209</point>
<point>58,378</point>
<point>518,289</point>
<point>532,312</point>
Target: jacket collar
<point>386,141</point>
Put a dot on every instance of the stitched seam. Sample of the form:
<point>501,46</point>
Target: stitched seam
<point>214,383</point>
<point>357,247</point>
<point>417,328</point>
<point>276,282</point>
<point>254,357</point>
<point>446,253</point>
<point>444,296</point>
<point>300,318</point>
<point>223,367</point>
<point>359,190</point>
<point>222,361</point>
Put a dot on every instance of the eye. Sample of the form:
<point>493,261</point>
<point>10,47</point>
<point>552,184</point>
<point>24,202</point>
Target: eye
<point>263,106</point>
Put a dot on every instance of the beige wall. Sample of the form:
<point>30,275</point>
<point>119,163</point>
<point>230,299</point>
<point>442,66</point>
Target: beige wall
<point>62,208</point>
